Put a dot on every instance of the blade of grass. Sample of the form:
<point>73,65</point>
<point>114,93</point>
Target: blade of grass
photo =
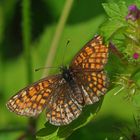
<point>57,35</point>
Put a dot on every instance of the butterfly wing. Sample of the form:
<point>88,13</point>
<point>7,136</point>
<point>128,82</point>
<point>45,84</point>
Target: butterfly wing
<point>64,100</point>
<point>93,85</point>
<point>31,100</point>
<point>93,56</point>
<point>52,93</point>
<point>87,67</point>
<point>65,105</point>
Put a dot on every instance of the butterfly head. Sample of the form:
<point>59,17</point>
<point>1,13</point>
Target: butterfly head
<point>63,68</point>
<point>66,73</point>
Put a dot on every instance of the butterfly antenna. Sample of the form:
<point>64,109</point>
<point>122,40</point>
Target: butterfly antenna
<point>64,53</point>
<point>41,68</point>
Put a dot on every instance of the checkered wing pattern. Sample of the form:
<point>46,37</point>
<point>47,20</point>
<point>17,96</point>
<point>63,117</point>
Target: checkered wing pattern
<point>64,95</point>
<point>52,93</point>
<point>93,56</point>
<point>65,105</point>
<point>31,100</point>
<point>92,84</point>
<point>88,71</point>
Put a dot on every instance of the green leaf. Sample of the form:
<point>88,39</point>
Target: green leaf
<point>109,28</point>
<point>136,78</point>
<point>137,2</point>
<point>51,132</point>
<point>136,100</point>
<point>116,21</point>
<point>116,10</point>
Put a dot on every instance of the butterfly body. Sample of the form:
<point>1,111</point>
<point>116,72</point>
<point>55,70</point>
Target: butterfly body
<point>67,74</point>
<point>65,94</point>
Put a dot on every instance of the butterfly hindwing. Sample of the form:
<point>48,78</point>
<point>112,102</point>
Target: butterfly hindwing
<point>93,85</point>
<point>64,107</point>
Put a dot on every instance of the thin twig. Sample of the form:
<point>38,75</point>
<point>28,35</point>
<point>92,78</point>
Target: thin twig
<point>57,35</point>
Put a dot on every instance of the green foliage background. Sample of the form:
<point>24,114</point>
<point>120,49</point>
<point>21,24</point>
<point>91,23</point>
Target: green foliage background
<point>83,23</point>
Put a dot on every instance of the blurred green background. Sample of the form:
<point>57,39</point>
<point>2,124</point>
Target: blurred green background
<point>83,23</point>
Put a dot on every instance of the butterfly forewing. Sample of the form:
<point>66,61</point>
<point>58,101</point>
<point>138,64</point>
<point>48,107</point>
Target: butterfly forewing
<point>93,56</point>
<point>31,100</point>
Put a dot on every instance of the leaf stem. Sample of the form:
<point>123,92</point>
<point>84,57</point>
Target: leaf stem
<point>57,35</point>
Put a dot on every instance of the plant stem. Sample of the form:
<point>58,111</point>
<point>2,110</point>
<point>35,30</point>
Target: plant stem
<point>26,35</point>
<point>117,53</point>
<point>57,35</point>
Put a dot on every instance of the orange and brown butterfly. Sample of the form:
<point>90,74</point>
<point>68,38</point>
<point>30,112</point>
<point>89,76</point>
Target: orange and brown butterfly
<point>64,95</point>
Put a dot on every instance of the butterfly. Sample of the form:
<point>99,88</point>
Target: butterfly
<point>64,95</point>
